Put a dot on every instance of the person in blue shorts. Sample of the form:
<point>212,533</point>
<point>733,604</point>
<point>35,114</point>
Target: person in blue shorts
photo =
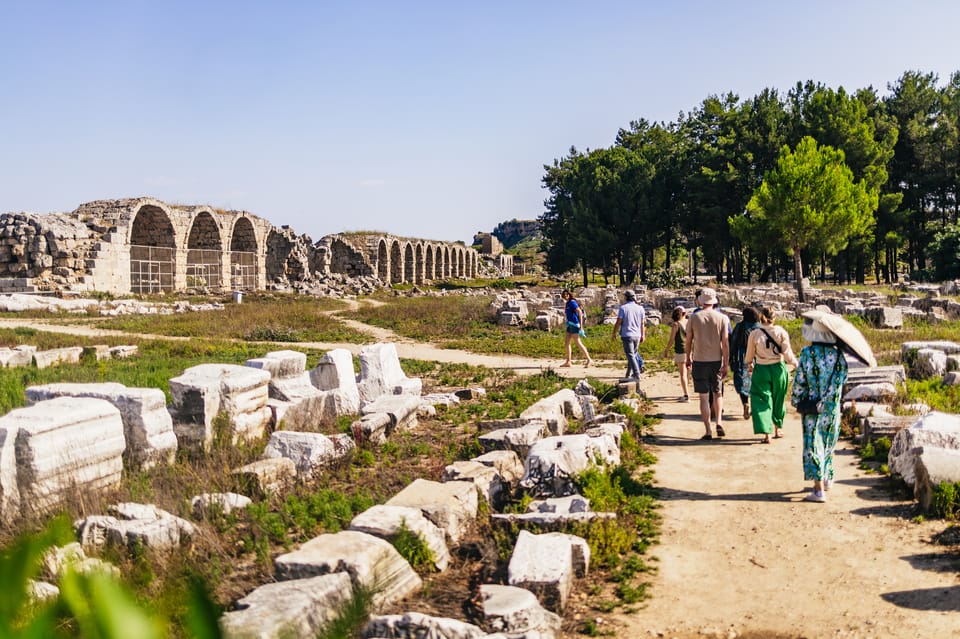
<point>575,320</point>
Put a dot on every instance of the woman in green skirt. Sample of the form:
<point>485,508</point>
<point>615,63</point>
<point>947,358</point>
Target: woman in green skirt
<point>768,347</point>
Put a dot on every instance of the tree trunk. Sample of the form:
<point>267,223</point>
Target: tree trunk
<point>583,268</point>
<point>798,273</point>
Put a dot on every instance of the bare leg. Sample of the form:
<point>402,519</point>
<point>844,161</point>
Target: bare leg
<point>718,408</point>
<point>583,349</point>
<point>567,347</point>
<point>683,378</point>
<point>705,411</point>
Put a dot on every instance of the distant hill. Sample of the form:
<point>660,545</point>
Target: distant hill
<point>515,231</point>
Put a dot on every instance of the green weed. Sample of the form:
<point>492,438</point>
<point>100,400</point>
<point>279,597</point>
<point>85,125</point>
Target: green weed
<point>413,548</point>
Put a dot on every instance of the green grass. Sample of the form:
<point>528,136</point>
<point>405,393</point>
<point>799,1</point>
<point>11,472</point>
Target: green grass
<point>261,317</point>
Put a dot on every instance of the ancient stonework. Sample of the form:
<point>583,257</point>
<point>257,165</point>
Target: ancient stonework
<point>143,245</point>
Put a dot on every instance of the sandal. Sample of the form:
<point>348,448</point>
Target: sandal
<point>707,437</point>
<point>720,431</point>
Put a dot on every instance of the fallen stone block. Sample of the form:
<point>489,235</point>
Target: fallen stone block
<point>372,428</point>
<point>516,613</point>
<point>71,557</point>
<point>402,410</point>
<point>876,392</point>
<point>452,505</point>
<point>136,526</point>
<point>385,522</point>
<point>297,609</point>
<point>55,448</point>
<point>381,374</point>
<point>884,316</point>
<point>485,478</point>
<point>17,356</point>
<point>506,462</point>
<point>207,504</point>
<point>371,562</point>
<point>933,466</point>
<point>147,425</point>
<point>519,440</point>
<point>553,462</point>
<point>555,409</point>
<point>415,625</point>
<point>933,430</point>
<point>53,357</point>
<point>560,505</point>
<point>540,522</point>
<point>289,380</point>
<point>310,452</point>
<point>123,351</point>
<point>543,564</point>
<point>207,390</point>
<point>265,476</point>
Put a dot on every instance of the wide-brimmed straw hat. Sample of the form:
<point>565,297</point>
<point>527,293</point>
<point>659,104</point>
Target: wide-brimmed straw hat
<point>848,337</point>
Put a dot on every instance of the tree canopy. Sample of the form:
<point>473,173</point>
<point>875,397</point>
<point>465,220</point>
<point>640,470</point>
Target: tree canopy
<point>668,191</point>
<point>809,200</point>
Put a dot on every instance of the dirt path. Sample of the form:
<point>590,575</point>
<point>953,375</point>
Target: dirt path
<point>741,554</point>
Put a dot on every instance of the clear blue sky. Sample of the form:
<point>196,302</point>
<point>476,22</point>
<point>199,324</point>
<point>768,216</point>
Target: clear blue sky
<point>425,119</point>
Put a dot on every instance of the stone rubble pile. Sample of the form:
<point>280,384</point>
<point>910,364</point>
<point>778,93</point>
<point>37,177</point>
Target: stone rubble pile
<point>78,436</point>
<point>17,302</point>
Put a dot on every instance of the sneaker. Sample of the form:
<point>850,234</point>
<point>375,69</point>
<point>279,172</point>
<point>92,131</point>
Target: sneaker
<point>817,496</point>
<point>827,484</point>
<point>685,398</point>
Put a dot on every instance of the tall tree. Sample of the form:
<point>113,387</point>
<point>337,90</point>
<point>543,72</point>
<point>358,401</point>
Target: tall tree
<point>810,200</point>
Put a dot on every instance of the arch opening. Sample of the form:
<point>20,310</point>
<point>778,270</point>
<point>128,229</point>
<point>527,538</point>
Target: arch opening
<point>204,253</point>
<point>152,251</point>
<point>243,256</point>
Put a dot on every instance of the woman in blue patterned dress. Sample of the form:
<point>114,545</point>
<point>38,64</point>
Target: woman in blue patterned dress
<point>820,376</point>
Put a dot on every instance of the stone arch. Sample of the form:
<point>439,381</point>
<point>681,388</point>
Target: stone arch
<point>204,253</point>
<point>396,263</point>
<point>409,265</point>
<point>428,264</point>
<point>383,262</point>
<point>152,251</point>
<point>243,256</point>
<point>418,264</point>
<point>463,262</point>
<point>282,260</point>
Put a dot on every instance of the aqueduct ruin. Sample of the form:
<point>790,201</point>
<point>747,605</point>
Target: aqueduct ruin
<point>143,245</point>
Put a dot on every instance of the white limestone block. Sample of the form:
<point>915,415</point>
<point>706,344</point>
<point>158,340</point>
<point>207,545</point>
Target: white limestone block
<point>506,462</point>
<point>65,444</point>
<point>402,410</point>
<point>563,505</point>
<point>289,380</point>
<point>370,561</point>
<point>416,624</point>
<point>934,466</point>
<point>553,462</point>
<point>147,425</point>
<point>516,612</point>
<point>555,409</point>
<point>878,391</point>
<point>46,359</point>
<point>933,430</point>
<point>486,479</point>
<point>310,452</point>
<point>452,505</point>
<point>204,391</point>
<point>18,356</point>
<point>381,374</point>
<point>519,440</point>
<point>386,521</point>
<point>543,564</point>
<point>297,609</point>
<point>265,476</point>
<point>335,371</point>
<point>9,490</point>
<point>205,504</point>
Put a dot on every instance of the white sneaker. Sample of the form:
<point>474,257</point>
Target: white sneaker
<point>827,484</point>
<point>817,496</point>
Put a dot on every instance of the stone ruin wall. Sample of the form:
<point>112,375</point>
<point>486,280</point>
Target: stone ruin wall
<point>143,245</point>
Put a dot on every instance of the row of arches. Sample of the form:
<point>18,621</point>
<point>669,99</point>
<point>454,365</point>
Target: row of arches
<point>406,262</point>
<point>219,252</point>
